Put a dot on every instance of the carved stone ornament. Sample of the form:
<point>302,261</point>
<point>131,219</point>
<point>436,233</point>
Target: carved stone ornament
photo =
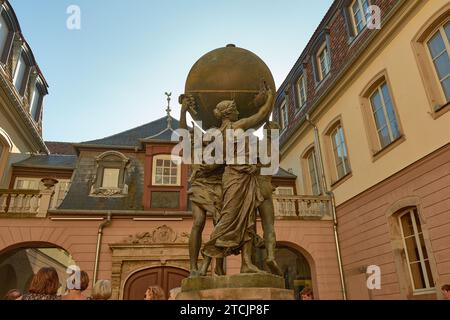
<point>162,234</point>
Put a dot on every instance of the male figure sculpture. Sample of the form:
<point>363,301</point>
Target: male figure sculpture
<point>206,197</point>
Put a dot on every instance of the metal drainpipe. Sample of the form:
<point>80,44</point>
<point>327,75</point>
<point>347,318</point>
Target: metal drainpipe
<point>325,190</point>
<point>99,242</point>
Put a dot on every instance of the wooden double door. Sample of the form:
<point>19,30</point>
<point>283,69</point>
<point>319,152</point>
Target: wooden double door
<point>165,277</point>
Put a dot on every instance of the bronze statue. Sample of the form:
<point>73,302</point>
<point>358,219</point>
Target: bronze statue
<point>266,211</point>
<point>206,197</point>
<point>235,230</point>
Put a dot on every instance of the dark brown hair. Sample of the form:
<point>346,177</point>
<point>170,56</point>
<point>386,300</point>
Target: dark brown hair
<point>446,287</point>
<point>45,281</point>
<point>306,291</point>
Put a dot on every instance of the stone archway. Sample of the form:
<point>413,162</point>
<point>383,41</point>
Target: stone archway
<point>165,277</point>
<point>160,257</point>
<point>19,262</point>
<point>295,264</point>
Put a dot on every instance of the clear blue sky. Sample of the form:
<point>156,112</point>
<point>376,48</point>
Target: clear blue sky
<point>111,75</point>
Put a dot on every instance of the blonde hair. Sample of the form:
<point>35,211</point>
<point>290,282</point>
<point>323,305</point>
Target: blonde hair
<point>102,290</point>
<point>174,292</point>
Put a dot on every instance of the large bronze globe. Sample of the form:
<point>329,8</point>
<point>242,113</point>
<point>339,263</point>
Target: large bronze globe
<point>228,73</point>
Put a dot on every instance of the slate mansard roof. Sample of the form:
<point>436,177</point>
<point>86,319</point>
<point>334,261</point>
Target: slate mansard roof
<point>155,130</point>
<point>51,161</point>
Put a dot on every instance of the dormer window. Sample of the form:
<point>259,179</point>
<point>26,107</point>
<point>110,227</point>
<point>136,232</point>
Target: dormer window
<point>284,115</point>
<point>36,101</point>
<point>323,62</point>
<point>301,91</point>
<point>4,34</point>
<point>360,15</point>
<point>20,74</point>
<point>110,177</point>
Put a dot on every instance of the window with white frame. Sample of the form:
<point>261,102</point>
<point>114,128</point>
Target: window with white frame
<point>313,172</point>
<point>360,14</point>
<point>4,33</point>
<point>416,252</point>
<point>284,115</point>
<point>166,170</point>
<point>301,91</point>
<point>439,49</point>
<point>323,61</point>
<point>384,115</point>
<point>340,152</point>
<point>19,74</point>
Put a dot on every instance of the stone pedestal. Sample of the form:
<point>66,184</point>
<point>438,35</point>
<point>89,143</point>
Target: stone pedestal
<point>235,287</point>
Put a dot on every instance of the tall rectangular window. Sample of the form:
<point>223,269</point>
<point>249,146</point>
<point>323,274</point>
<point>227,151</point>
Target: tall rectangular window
<point>284,115</point>
<point>439,47</point>
<point>360,14</point>
<point>323,61</point>
<point>110,178</point>
<point>416,252</point>
<point>34,103</point>
<point>340,152</point>
<point>19,74</point>
<point>384,115</point>
<point>313,173</point>
<point>301,91</point>
<point>4,32</point>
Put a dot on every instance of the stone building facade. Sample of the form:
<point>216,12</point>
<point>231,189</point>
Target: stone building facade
<point>366,120</point>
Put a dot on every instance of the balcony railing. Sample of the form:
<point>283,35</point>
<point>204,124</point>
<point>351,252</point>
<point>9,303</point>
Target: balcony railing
<point>27,202</point>
<point>302,207</point>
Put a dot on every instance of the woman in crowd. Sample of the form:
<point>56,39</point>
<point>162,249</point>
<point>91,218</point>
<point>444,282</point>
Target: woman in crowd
<point>102,290</point>
<point>154,293</point>
<point>44,286</point>
<point>77,293</point>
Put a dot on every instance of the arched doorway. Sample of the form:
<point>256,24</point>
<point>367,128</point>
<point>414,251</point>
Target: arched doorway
<point>18,264</point>
<point>294,265</point>
<point>165,277</point>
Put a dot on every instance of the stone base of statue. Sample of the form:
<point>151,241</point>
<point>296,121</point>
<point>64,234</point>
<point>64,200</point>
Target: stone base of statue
<point>247,286</point>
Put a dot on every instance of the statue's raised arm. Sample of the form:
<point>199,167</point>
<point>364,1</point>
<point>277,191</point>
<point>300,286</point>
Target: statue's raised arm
<point>265,94</point>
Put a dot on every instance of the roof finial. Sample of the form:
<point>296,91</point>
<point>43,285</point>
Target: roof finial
<point>169,117</point>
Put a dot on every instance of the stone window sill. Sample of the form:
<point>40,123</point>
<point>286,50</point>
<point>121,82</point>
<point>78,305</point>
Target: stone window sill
<point>378,154</point>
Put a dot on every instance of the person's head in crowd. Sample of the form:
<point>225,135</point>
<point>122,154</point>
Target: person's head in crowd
<point>174,292</point>
<point>13,294</point>
<point>45,281</point>
<point>102,290</point>
<point>44,285</point>
<point>446,291</point>
<point>306,294</point>
<point>74,292</point>
<point>154,293</point>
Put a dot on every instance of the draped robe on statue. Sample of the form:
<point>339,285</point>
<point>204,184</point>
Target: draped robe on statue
<point>236,223</point>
